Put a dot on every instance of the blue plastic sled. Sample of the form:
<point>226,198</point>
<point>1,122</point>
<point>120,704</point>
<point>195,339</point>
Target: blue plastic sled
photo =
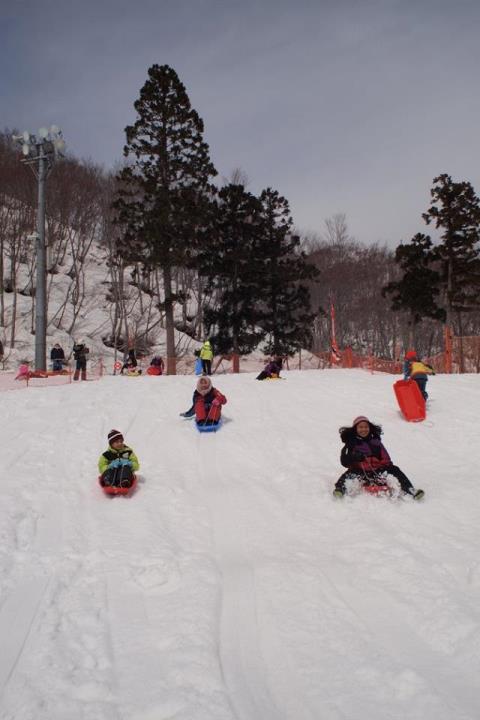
<point>208,428</point>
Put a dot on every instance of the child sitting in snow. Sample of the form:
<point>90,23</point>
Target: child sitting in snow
<point>156,366</point>
<point>272,369</point>
<point>207,403</point>
<point>118,463</point>
<point>366,459</point>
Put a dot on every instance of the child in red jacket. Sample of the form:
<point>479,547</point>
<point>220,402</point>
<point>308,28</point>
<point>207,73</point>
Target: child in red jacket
<point>365,458</point>
<point>206,403</point>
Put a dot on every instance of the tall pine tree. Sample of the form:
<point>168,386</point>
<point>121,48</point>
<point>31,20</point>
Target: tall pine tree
<point>455,211</point>
<point>232,268</point>
<point>286,315</point>
<point>164,185</point>
<point>418,289</point>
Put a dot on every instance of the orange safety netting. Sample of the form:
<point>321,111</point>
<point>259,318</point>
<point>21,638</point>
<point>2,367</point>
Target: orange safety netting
<point>12,380</point>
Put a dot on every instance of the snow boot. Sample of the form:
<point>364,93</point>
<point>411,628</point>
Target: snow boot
<point>188,413</point>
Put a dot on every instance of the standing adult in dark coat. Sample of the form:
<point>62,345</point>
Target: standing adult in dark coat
<point>57,356</point>
<point>80,352</point>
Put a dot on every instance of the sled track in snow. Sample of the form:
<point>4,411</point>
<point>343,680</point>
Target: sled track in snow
<point>409,649</point>
<point>17,617</point>
<point>242,664</point>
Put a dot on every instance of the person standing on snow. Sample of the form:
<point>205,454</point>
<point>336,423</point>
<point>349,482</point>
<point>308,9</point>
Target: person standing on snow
<point>415,369</point>
<point>57,356</point>
<point>80,352</point>
<point>365,457</point>
<point>206,356</point>
<point>207,403</point>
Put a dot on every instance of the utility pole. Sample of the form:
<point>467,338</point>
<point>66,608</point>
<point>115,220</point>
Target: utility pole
<point>40,153</point>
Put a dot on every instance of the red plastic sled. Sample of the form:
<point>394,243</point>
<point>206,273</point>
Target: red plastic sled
<point>376,488</point>
<point>115,490</point>
<point>410,400</point>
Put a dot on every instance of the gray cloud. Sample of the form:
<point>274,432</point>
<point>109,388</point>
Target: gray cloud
<point>342,106</point>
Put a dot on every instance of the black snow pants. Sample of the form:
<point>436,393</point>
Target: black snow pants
<point>393,470</point>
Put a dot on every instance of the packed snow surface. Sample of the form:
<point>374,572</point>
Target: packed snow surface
<point>232,585</point>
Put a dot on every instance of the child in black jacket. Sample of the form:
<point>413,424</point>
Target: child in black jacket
<point>367,459</point>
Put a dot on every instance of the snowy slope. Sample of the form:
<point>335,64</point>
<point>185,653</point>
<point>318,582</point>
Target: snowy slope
<point>94,319</point>
<point>231,585</point>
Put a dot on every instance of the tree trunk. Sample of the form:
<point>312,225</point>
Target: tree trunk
<point>2,297</point>
<point>170,328</point>
<point>14,317</point>
<point>460,344</point>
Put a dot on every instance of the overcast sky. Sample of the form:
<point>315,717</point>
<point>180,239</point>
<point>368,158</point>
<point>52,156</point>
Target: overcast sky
<point>349,106</point>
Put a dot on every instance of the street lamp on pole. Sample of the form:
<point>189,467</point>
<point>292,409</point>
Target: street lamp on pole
<point>40,152</point>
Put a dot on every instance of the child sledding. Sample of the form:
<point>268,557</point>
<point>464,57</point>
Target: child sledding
<point>117,466</point>
<point>207,404</point>
<point>368,462</point>
<point>272,370</point>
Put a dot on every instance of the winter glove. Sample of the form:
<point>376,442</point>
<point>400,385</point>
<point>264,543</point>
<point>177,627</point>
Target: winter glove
<point>115,463</point>
<point>124,462</point>
<point>216,402</point>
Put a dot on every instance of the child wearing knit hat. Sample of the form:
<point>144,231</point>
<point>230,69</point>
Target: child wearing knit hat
<point>417,370</point>
<point>118,463</point>
<point>207,403</point>
<point>367,459</point>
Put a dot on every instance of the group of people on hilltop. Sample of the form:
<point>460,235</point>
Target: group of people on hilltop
<point>80,355</point>
<point>363,454</point>
<point>130,365</point>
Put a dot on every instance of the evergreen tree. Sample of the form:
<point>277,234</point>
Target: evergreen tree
<point>455,211</point>
<point>164,186</point>
<point>418,289</point>
<point>232,268</point>
<point>286,316</point>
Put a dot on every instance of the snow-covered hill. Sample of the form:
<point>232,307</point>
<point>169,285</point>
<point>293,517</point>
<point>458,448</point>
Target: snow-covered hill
<point>91,318</point>
<point>231,585</point>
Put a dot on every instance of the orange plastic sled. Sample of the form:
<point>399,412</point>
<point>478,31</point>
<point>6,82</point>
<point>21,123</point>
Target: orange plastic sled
<point>116,490</point>
<point>410,400</point>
